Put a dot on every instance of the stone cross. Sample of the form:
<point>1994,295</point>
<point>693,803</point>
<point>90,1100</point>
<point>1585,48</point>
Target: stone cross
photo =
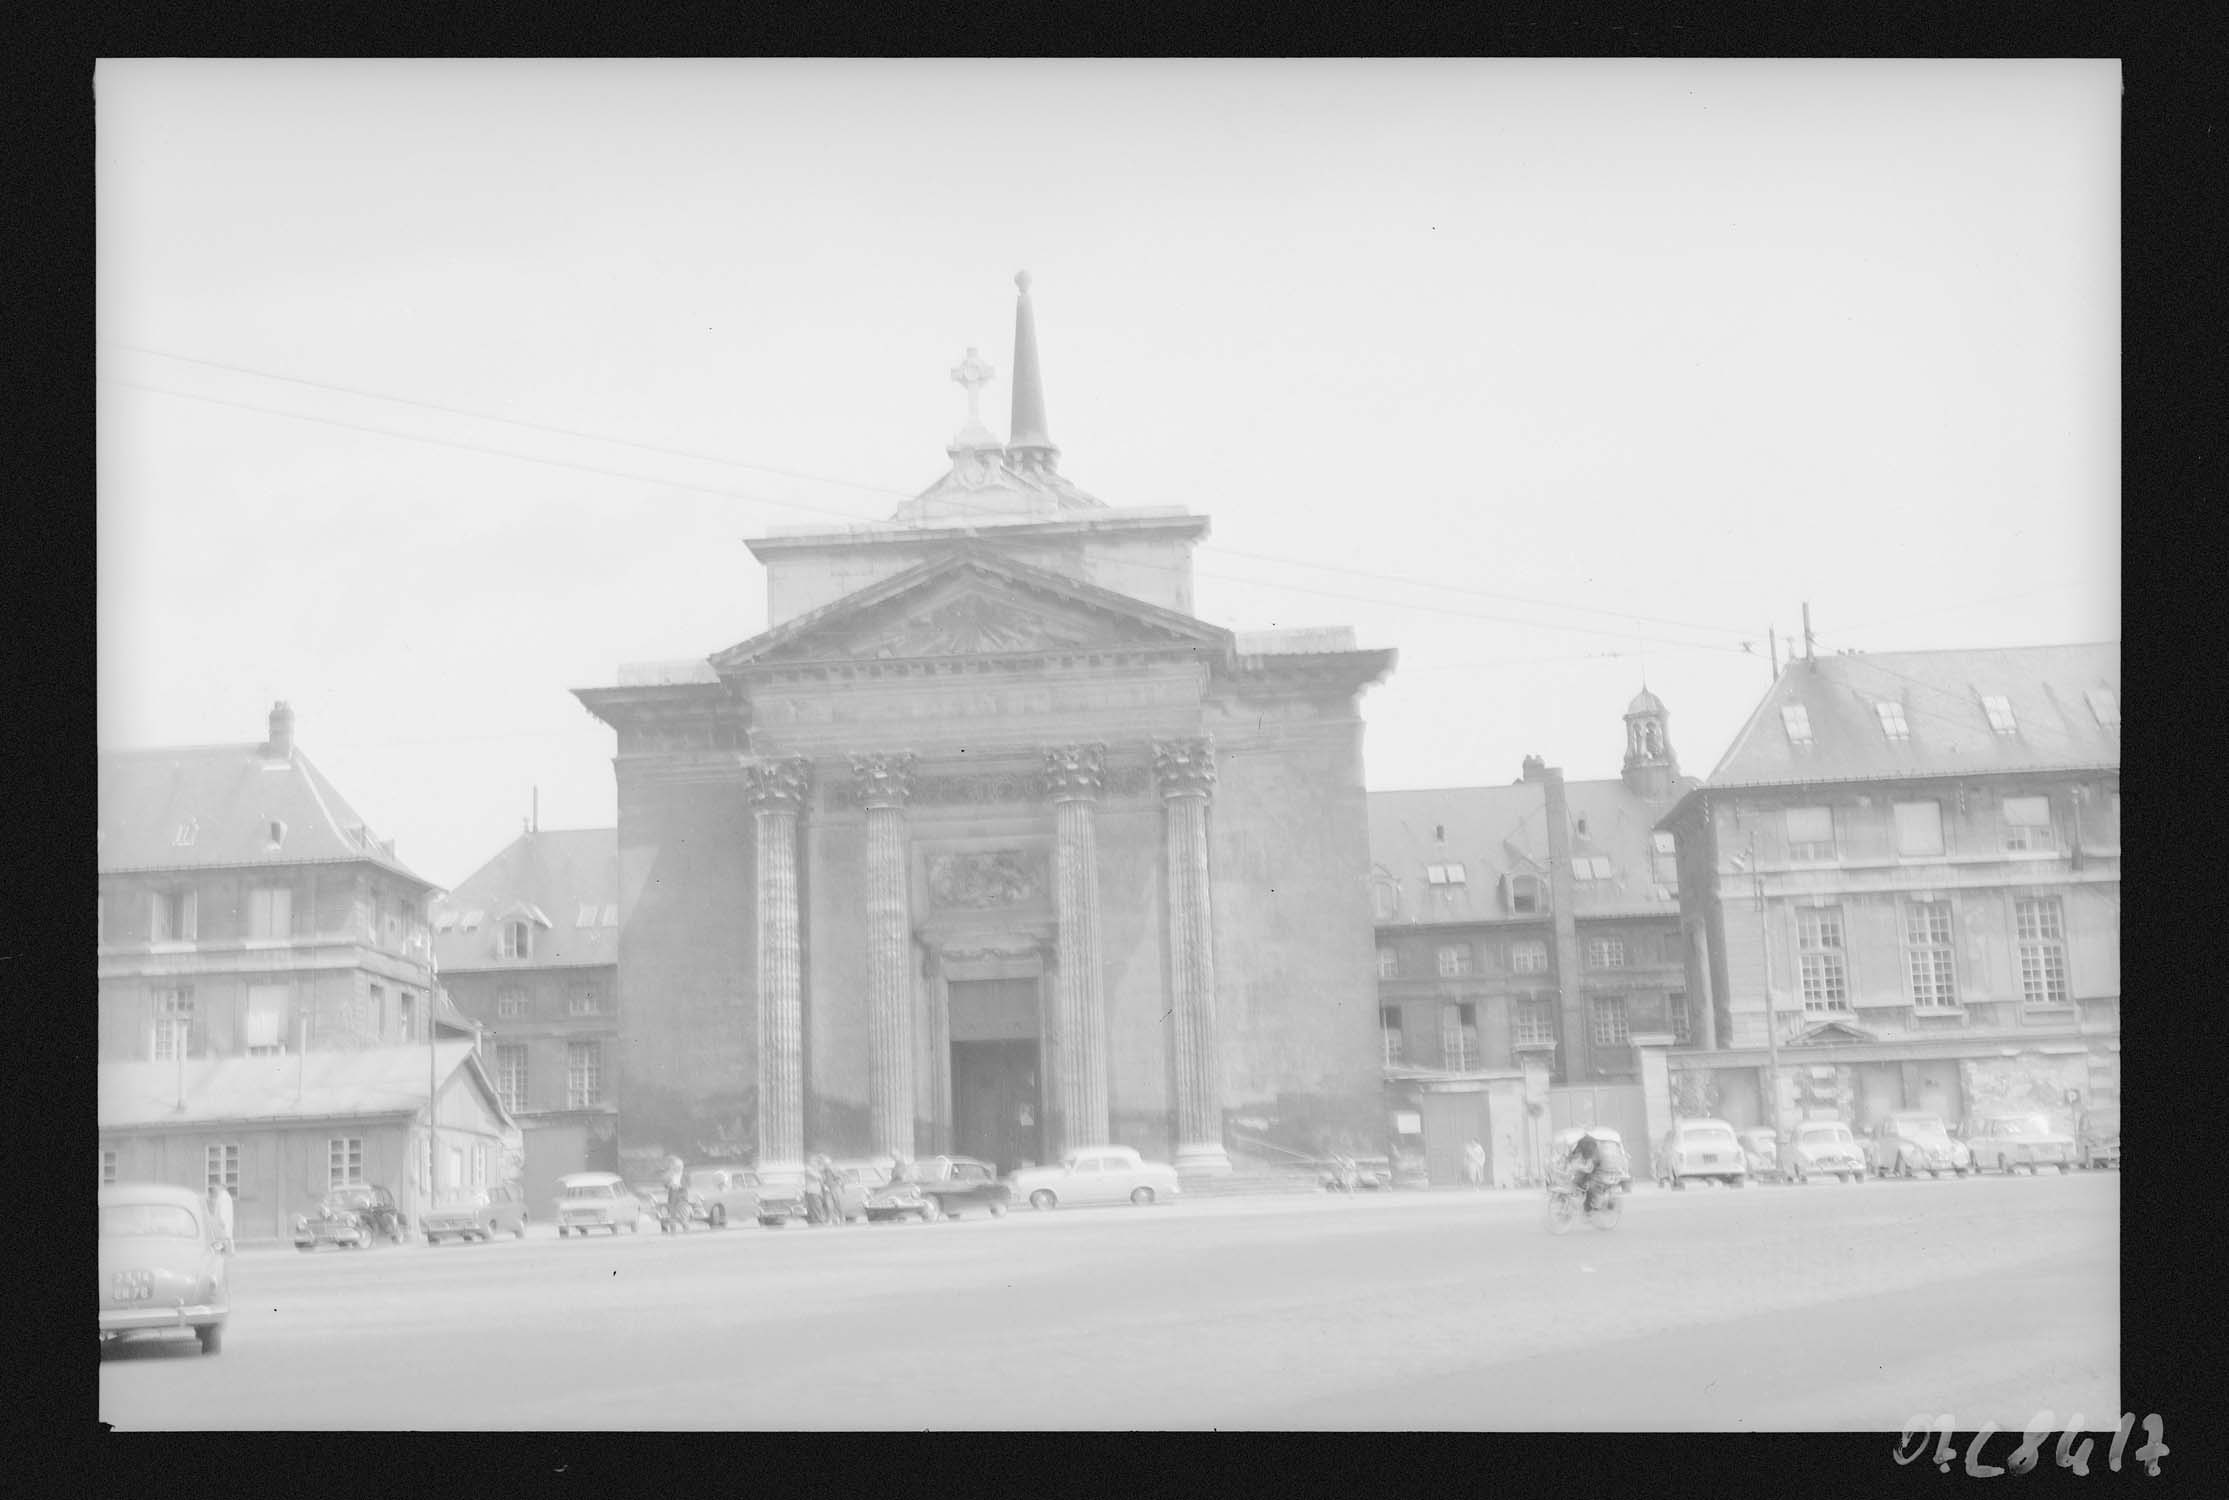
<point>973,374</point>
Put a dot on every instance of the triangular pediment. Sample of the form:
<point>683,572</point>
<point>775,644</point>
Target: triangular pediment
<point>968,603</point>
<point>1827,1033</point>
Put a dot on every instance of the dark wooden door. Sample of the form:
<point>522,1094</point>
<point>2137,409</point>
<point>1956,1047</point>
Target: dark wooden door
<point>995,1113</point>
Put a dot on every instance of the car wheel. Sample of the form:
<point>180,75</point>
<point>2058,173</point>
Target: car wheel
<point>998,1210</point>
<point>1737,1182</point>
<point>1679,1184</point>
<point>305,1249</point>
<point>212,1338</point>
<point>1142,1197</point>
<point>2065,1167</point>
<point>433,1239</point>
<point>1042,1199</point>
<point>719,1216</point>
<point>931,1210</point>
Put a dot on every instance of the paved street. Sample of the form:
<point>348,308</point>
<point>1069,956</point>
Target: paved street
<point>1826,1307</point>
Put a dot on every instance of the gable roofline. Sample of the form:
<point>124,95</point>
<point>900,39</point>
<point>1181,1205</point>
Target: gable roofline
<point>972,555</point>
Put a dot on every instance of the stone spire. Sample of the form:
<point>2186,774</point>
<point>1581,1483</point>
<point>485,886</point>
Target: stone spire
<point>1028,444</point>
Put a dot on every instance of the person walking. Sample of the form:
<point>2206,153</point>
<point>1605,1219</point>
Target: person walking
<point>1474,1164</point>
<point>220,1212</point>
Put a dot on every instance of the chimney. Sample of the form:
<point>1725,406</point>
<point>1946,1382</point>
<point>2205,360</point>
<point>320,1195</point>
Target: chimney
<point>280,746</point>
<point>1536,769</point>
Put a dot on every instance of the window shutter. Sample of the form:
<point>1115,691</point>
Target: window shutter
<point>189,912</point>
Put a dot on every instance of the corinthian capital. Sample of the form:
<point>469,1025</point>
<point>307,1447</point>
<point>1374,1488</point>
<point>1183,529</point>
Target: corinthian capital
<point>1074,772</point>
<point>883,779</point>
<point>777,785</point>
<point>1185,768</point>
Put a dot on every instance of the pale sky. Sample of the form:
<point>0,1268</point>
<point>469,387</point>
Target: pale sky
<point>1551,375</point>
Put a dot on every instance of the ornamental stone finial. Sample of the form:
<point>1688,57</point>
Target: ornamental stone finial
<point>1185,767</point>
<point>883,779</point>
<point>777,785</point>
<point>1075,772</point>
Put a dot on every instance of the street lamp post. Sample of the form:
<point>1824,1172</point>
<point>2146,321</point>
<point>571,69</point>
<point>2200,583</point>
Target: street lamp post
<point>1772,1019</point>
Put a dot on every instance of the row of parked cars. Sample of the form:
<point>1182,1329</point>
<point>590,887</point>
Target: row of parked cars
<point>1908,1143</point>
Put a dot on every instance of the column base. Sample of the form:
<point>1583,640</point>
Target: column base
<point>1202,1161</point>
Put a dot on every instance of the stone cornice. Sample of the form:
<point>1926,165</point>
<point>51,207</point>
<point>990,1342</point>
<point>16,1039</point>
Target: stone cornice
<point>1082,661</point>
<point>1311,671</point>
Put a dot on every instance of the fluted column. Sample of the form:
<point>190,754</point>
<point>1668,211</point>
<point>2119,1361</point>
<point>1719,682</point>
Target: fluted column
<point>1185,770</point>
<point>885,782</point>
<point>776,790</point>
<point>1073,777</point>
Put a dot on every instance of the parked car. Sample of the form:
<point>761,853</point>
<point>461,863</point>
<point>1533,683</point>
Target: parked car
<point>480,1214</point>
<point>1913,1141</point>
<point>1701,1150</point>
<point>781,1198</point>
<point>1825,1148</point>
<point>597,1200</point>
<point>1616,1165</point>
<point>2097,1138</point>
<point>653,1198</point>
<point>162,1265</point>
<point>2009,1142</point>
<point>724,1195</point>
<point>856,1180</point>
<point>1095,1174</point>
<point>943,1187</point>
<point>1760,1152</point>
<point>350,1217</point>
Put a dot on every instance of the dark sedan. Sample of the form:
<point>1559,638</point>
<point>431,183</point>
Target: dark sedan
<point>943,1187</point>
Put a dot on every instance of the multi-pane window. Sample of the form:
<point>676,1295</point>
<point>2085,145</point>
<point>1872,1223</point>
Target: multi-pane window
<point>1459,1037</point>
<point>1664,859</point>
<point>175,916</point>
<point>1611,1025</point>
<point>1606,953</point>
<point>587,1000</point>
<point>271,912</point>
<point>1928,955</point>
<point>1389,1027</point>
<point>479,1164</point>
<point>174,1016</point>
<point>1389,963</point>
<point>265,1031</point>
<point>1810,832</point>
<point>510,1075</point>
<point>1528,958</point>
<point>221,1168</point>
<point>1892,720</point>
<point>584,1074</point>
<point>1444,874</point>
<point>1683,1026</point>
<point>1919,829</point>
<point>1534,1022</point>
<point>1796,719</point>
<point>344,1161</point>
<point>1455,960</point>
<point>515,940</point>
<point>510,1002</point>
<point>406,1017</point>
<point>1999,709</point>
<point>1820,954</point>
<point>2041,931</point>
<point>1591,867</point>
<point>2028,827</point>
<point>108,1168</point>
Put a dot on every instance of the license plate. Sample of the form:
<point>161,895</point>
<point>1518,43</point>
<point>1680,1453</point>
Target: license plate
<point>132,1286</point>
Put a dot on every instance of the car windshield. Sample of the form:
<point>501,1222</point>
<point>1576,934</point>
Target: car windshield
<point>1927,1130</point>
<point>1708,1135</point>
<point>161,1220</point>
<point>1824,1135</point>
<point>350,1198</point>
<point>462,1198</point>
<point>2023,1125</point>
<point>589,1190</point>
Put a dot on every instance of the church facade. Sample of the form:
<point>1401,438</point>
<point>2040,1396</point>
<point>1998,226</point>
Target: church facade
<point>988,844</point>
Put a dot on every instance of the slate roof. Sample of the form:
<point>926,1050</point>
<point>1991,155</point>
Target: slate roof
<point>552,878</point>
<point>1940,694</point>
<point>1498,831</point>
<point>310,1085</point>
<point>230,795</point>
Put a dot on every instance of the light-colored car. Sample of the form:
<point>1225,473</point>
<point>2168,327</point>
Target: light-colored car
<point>1913,1141</point>
<point>162,1264</point>
<point>478,1214</point>
<point>1095,1174</point>
<point>1825,1148</point>
<point>1701,1150</point>
<point>2010,1142</point>
<point>724,1195</point>
<point>1616,1166</point>
<point>597,1200</point>
<point>2098,1138</point>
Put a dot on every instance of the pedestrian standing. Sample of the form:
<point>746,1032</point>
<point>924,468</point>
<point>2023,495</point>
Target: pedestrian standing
<point>1474,1164</point>
<point>220,1211</point>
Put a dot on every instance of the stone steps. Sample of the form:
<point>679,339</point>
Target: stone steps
<point>1245,1184</point>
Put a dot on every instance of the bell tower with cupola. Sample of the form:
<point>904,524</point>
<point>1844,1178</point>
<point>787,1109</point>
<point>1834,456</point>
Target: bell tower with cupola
<point>1651,768</point>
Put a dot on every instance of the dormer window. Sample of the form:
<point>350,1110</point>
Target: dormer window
<point>1664,855</point>
<point>586,915</point>
<point>1580,827</point>
<point>274,833</point>
<point>1526,895</point>
<point>516,940</point>
<point>444,919</point>
<point>186,832</point>
<point>1999,709</point>
<point>1796,719</point>
<point>2106,705</point>
<point>470,921</point>
<point>1445,874</point>
<point>1439,833</point>
<point>1892,720</point>
<point>1590,867</point>
<point>611,915</point>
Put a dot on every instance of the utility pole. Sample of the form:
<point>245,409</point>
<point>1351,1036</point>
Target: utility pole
<point>1807,630</point>
<point>1772,645</point>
